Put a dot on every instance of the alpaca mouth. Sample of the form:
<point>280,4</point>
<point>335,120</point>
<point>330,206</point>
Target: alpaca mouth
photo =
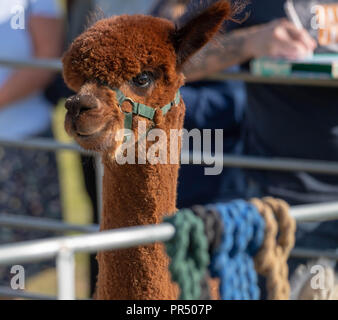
<point>87,135</point>
<point>82,132</point>
<point>94,134</point>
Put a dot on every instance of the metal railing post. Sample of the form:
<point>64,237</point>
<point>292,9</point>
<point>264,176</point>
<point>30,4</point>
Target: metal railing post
<point>65,265</point>
<point>99,171</point>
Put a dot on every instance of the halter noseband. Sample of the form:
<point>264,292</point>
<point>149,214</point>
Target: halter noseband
<point>141,110</point>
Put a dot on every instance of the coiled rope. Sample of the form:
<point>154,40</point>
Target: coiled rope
<point>188,252</point>
<point>241,238</point>
<point>233,261</point>
<point>271,260</point>
<point>213,228</point>
<point>213,225</point>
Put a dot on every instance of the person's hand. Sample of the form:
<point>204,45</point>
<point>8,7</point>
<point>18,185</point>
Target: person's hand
<point>280,38</point>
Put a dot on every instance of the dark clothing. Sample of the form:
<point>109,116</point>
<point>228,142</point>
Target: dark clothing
<point>212,105</point>
<point>290,121</point>
<point>301,127</point>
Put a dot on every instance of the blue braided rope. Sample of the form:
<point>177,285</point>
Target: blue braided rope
<point>233,261</point>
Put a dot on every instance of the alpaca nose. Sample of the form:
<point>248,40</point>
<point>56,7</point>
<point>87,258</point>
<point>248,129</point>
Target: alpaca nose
<point>80,103</point>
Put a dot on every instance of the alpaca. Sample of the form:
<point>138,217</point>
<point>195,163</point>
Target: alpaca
<point>139,57</point>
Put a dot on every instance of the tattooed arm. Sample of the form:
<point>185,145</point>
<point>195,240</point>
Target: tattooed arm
<point>225,51</point>
<point>279,38</point>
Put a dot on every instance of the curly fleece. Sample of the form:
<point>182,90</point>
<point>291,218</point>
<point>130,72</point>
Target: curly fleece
<point>116,49</point>
<point>113,51</point>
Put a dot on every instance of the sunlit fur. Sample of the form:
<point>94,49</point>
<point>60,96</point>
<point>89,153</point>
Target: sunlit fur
<point>110,54</point>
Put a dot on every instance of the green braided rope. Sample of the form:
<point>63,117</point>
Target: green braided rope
<point>188,252</point>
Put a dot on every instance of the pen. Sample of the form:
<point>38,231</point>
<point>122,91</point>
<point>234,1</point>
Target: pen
<point>292,14</point>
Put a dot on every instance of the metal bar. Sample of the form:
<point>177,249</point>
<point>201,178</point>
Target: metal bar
<point>99,171</point>
<point>36,250</point>
<point>247,162</point>
<point>56,65</point>
<point>10,293</point>
<point>291,80</point>
<point>315,212</point>
<point>314,254</point>
<point>295,253</point>
<point>44,144</point>
<point>49,64</point>
<point>33,223</point>
<point>278,164</point>
<point>309,212</point>
<point>123,238</point>
<point>128,237</point>
<point>65,266</point>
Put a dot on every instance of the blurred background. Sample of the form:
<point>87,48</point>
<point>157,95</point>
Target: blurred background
<point>264,39</point>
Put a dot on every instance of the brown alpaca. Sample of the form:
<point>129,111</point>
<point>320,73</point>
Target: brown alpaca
<point>142,56</point>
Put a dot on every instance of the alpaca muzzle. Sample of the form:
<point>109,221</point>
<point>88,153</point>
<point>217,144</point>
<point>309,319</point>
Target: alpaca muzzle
<point>79,104</point>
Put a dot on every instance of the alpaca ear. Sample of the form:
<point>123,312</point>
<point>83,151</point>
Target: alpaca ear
<point>194,34</point>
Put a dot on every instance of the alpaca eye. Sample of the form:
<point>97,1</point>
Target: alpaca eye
<point>143,80</point>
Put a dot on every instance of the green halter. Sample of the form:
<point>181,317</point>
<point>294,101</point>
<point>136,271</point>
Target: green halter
<point>141,110</point>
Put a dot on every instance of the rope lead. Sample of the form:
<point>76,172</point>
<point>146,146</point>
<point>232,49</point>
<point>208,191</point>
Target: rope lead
<point>240,238</point>
<point>188,250</point>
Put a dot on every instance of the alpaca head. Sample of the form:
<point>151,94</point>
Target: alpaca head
<point>142,57</point>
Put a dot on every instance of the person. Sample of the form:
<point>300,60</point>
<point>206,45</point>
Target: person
<point>213,105</point>
<point>283,120</point>
<point>209,105</point>
<point>28,178</point>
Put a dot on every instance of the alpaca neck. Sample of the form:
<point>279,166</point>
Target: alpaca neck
<point>137,194</point>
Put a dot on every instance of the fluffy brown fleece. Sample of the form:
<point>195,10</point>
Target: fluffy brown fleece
<point>116,49</point>
<point>112,52</point>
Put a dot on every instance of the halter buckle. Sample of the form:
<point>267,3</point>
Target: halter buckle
<point>131,101</point>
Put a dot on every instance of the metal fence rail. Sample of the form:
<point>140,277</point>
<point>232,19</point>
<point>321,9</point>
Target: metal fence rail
<point>36,250</point>
<point>34,223</point>
<point>226,160</point>
<point>301,213</point>
<point>56,65</point>
<point>47,64</point>
<point>124,237</point>
<point>10,293</point>
<point>272,164</point>
<point>63,248</point>
<point>44,144</point>
<point>296,253</point>
<point>290,80</point>
<point>315,212</point>
<point>314,254</point>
